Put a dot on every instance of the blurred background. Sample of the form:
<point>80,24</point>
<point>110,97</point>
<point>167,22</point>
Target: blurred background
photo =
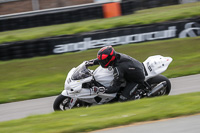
<point>41,40</point>
<point>60,34</point>
<point>17,6</point>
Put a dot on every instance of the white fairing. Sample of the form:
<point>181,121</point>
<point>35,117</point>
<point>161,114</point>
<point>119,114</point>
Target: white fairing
<point>156,65</point>
<point>73,88</point>
<point>104,76</point>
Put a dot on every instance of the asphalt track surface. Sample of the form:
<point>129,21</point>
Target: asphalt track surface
<point>17,110</point>
<point>189,124</point>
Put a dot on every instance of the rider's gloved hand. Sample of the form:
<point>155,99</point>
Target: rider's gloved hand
<point>98,90</point>
<point>89,63</point>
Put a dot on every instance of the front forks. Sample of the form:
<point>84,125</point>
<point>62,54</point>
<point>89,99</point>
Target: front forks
<point>72,102</point>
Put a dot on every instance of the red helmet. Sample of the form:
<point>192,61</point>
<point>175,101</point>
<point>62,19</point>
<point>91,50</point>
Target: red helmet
<point>106,56</point>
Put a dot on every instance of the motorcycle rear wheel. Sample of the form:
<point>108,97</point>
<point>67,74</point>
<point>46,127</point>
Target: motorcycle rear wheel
<point>156,80</point>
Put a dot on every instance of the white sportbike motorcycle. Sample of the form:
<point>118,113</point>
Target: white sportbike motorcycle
<point>77,91</point>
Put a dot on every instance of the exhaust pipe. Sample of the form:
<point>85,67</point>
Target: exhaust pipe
<point>157,88</point>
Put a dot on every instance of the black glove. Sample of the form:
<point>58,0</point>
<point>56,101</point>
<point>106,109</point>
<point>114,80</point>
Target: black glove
<point>89,63</point>
<point>98,90</point>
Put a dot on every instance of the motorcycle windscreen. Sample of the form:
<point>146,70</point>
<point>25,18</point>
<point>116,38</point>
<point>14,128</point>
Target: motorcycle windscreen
<point>81,72</point>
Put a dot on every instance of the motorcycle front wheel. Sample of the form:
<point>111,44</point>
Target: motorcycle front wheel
<point>61,103</point>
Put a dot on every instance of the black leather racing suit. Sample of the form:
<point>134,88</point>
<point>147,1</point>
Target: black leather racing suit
<point>126,69</point>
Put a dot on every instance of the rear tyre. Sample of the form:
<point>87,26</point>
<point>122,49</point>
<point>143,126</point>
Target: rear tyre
<point>156,80</point>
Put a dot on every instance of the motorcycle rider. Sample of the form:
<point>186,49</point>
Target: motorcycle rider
<point>126,69</point>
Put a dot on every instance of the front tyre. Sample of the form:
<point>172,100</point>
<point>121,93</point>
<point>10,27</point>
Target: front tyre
<point>61,103</point>
<point>158,79</point>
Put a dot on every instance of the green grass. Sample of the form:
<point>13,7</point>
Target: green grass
<point>109,115</point>
<point>45,76</point>
<point>148,16</point>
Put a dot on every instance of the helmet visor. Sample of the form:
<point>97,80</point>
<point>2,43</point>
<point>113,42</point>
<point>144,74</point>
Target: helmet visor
<point>107,62</point>
<point>104,62</point>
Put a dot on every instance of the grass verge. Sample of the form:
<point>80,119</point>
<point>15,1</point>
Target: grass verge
<point>148,16</point>
<point>45,76</point>
<point>109,115</point>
